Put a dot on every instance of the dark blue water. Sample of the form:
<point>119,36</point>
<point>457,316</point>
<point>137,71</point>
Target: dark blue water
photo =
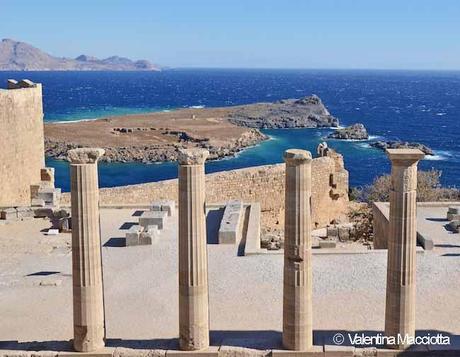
<point>411,106</point>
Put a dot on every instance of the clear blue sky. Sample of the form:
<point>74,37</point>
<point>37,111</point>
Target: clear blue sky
<point>387,34</point>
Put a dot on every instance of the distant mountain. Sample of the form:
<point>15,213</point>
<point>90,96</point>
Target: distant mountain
<point>20,56</point>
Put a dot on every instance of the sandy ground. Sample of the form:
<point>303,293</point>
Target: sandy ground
<point>208,123</point>
<point>141,295</point>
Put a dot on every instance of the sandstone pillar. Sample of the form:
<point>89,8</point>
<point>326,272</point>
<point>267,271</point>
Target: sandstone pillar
<point>193,262</point>
<point>402,238</point>
<point>297,282</point>
<point>88,300</point>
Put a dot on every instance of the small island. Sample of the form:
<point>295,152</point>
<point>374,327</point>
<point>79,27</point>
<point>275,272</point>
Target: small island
<point>353,132</point>
<point>157,137</point>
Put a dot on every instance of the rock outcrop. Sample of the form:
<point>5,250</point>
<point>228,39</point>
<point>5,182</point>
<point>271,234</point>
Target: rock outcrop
<point>20,56</point>
<point>159,152</point>
<point>383,145</point>
<point>353,132</point>
<point>307,112</point>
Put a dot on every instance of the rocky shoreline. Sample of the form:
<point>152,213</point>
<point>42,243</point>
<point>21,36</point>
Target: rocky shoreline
<point>383,145</point>
<point>157,153</point>
<point>157,137</point>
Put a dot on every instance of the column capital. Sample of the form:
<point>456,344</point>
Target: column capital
<point>297,157</point>
<point>84,155</point>
<point>194,156</point>
<point>405,157</point>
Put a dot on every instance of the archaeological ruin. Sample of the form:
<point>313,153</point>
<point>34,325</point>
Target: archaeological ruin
<point>303,195</point>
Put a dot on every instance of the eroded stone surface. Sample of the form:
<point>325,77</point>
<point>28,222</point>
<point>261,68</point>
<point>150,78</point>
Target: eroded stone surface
<point>85,155</point>
<point>192,156</point>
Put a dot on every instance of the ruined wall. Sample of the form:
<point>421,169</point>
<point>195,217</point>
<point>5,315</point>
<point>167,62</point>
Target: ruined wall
<point>264,184</point>
<point>21,143</point>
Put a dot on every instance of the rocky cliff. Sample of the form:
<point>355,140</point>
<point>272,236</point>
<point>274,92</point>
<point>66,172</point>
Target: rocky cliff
<point>307,112</point>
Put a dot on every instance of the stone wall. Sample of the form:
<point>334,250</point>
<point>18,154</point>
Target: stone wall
<point>264,184</point>
<point>21,143</point>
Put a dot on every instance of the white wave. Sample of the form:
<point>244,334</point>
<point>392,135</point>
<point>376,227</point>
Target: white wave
<point>72,121</point>
<point>440,114</point>
<point>440,155</point>
<point>364,145</point>
<point>375,137</point>
<point>196,106</point>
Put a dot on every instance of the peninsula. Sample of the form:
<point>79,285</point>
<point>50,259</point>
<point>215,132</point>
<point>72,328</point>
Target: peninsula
<point>157,137</point>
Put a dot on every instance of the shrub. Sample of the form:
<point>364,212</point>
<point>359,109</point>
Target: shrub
<point>362,218</point>
<point>428,189</point>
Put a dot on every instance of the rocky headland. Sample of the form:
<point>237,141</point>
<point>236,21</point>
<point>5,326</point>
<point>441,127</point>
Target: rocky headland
<point>383,145</point>
<point>307,112</point>
<point>157,137</point>
<point>353,132</point>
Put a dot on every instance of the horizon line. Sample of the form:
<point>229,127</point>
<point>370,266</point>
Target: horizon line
<point>170,68</point>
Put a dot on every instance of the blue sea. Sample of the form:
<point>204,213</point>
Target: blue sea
<point>417,106</point>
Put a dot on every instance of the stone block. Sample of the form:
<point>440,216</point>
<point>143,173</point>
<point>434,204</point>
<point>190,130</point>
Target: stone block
<point>37,202</point>
<point>339,351</point>
<point>47,175</point>
<point>164,205</point>
<point>253,238</point>
<point>453,213</point>
<point>24,212</point>
<point>9,214</point>
<point>455,226</point>
<point>63,224</point>
<point>50,195</point>
<point>42,212</point>
<point>52,232</point>
<point>153,218</point>
<point>425,241</point>
<point>132,236</point>
<point>169,206</point>
<point>344,233</point>
<point>26,83</point>
<point>12,84</point>
<point>229,231</point>
<point>315,351</point>
<point>149,235</point>
<point>327,243</point>
<point>332,231</point>
<point>34,191</point>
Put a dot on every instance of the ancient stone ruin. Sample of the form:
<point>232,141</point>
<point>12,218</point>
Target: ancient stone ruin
<point>27,183</point>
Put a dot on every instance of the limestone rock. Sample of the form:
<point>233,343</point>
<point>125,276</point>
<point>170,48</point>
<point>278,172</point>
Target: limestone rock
<point>307,112</point>
<point>353,132</point>
<point>384,145</point>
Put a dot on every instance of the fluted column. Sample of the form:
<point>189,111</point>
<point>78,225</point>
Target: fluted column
<point>88,300</point>
<point>297,282</point>
<point>400,294</point>
<point>193,261</point>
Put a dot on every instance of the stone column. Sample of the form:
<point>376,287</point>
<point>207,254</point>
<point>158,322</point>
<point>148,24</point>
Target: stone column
<point>88,298</point>
<point>297,283</point>
<point>402,237</point>
<point>193,261</point>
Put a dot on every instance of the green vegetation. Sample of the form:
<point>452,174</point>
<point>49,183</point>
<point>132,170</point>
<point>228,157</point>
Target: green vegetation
<point>429,189</point>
